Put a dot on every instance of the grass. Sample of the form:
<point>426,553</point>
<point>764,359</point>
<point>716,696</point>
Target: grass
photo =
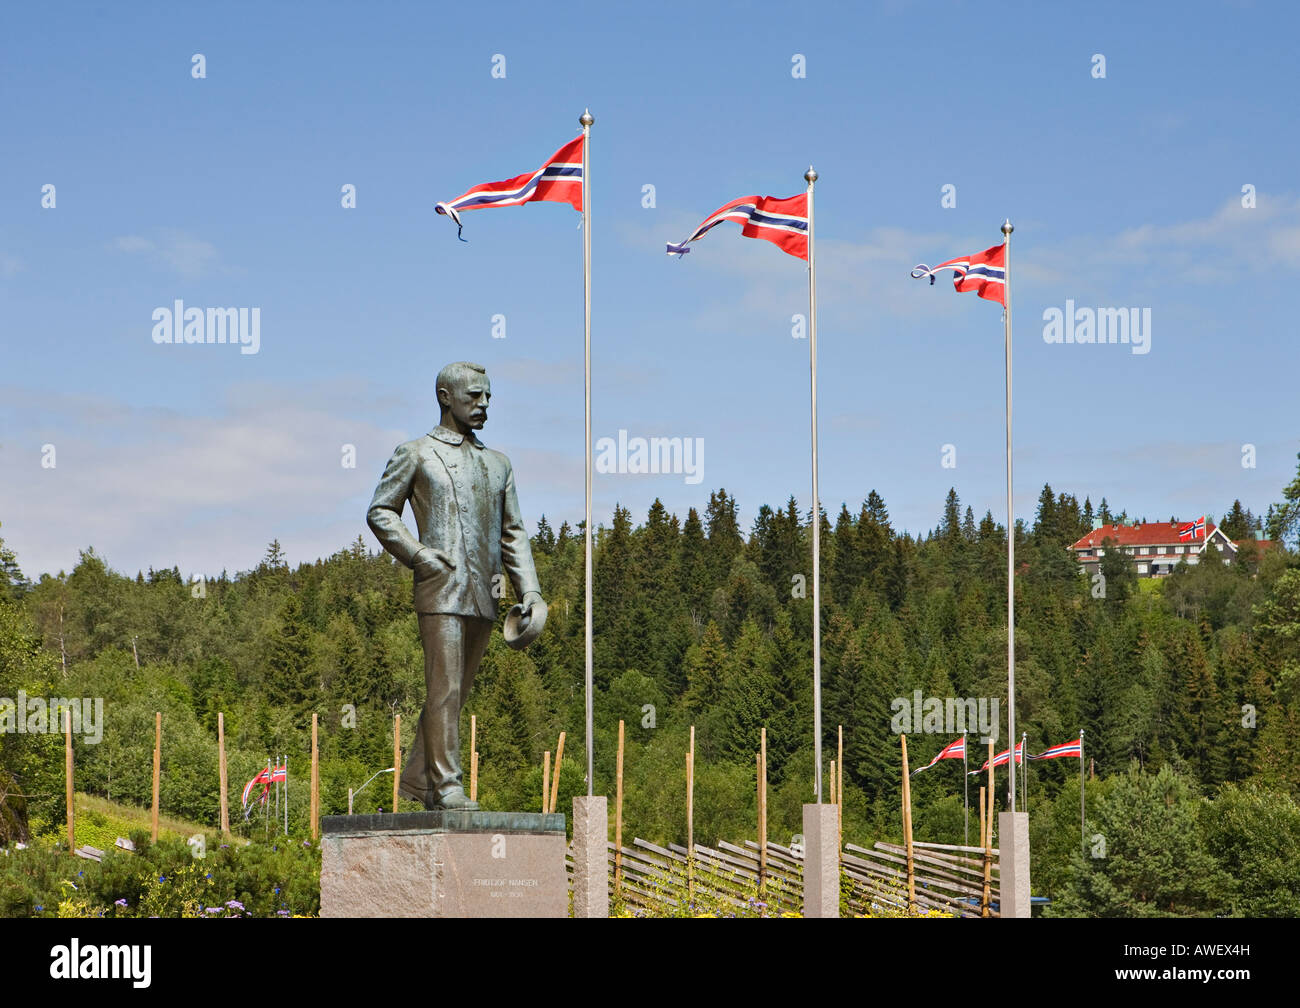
<point>99,822</point>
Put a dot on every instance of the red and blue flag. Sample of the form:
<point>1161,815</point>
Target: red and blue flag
<point>559,180</point>
<point>1074,748</point>
<point>1004,757</point>
<point>266,778</point>
<point>953,750</point>
<point>984,273</point>
<point>784,222</point>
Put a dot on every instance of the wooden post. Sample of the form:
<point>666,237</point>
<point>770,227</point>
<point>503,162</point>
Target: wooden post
<point>907,830</point>
<point>546,782</point>
<point>839,791</point>
<point>988,857</point>
<point>982,811</point>
<point>67,775</point>
<point>221,773</point>
<point>618,818</point>
<point>157,771</point>
<point>988,849</point>
<point>313,805</point>
<point>555,777</point>
<point>397,756</point>
<point>473,757</point>
<point>833,793</point>
<point>992,794</point>
<point>987,794</point>
<point>690,818</point>
<point>762,811</point>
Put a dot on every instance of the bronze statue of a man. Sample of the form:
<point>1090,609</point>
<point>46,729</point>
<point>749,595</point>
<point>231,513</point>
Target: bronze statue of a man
<point>463,498</point>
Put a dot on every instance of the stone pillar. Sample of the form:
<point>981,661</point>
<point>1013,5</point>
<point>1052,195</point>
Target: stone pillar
<point>821,861</point>
<point>1013,863</point>
<point>590,856</point>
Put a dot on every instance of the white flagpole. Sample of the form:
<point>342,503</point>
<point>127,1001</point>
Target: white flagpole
<point>1011,527</point>
<point>1024,776</point>
<point>965,792</point>
<point>810,176</point>
<point>1083,802</point>
<point>586,119</point>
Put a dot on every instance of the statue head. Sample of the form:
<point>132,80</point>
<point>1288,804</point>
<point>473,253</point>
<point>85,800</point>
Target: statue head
<point>463,393</point>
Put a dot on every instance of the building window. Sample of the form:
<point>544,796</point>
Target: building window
<point>1142,568</point>
<point>1179,549</point>
<point>1146,550</point>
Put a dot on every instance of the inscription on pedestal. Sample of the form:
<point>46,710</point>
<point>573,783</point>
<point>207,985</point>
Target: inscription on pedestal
<point>448,864</point>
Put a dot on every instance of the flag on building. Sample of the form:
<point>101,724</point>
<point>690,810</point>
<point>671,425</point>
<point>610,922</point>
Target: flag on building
<point>953,750</point>
<point>1004,757</point>
<point>784,222</point>
<point>559,180</point>
<point>984,273</point>
<point>1193,530</point>
<point>1074,748</point>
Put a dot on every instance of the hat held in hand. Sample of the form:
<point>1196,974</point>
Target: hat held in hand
<point>520,630</point>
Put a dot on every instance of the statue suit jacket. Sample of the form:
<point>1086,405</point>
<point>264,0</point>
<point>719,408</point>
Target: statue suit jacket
<point>463,498</point>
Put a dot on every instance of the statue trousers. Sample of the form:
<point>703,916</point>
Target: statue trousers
<point>453,649</point>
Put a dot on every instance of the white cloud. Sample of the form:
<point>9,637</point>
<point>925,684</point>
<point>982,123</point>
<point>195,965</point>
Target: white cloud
<point>133,243</point>
<point>180,252</point>
<point>148,486</point>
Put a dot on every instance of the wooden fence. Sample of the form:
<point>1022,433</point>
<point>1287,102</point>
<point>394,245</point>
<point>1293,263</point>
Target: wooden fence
<point>658,880</point>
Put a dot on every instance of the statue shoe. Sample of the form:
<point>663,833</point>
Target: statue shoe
<point>456,800</point>
<point>426,798</point>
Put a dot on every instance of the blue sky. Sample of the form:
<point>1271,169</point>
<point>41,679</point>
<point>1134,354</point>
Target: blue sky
<point>1126,191</point>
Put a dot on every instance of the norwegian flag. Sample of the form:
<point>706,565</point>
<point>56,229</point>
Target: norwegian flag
<point>559,180</point>
<point>953,750</point>
<point>1074,748</point>
<point>1193,530</point>
<point>984,273</point>
<point>1003,758</point>
<point>266,778</point>
<point>784,222</point>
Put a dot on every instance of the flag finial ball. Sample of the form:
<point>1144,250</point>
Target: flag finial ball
<point>810,175</point>
<point>586,119</point>
<point>1006,227</point>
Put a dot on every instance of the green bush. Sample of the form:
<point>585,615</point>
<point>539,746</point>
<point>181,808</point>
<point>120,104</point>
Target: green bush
<point>165,879</point>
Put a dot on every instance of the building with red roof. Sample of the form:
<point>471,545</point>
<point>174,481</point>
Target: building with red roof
<point>1155,548</point>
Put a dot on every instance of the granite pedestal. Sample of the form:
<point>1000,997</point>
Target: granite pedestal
<point>444,864</point>
<point>1013,863</point>
<point>821,861</point>
<point>590,856</point>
